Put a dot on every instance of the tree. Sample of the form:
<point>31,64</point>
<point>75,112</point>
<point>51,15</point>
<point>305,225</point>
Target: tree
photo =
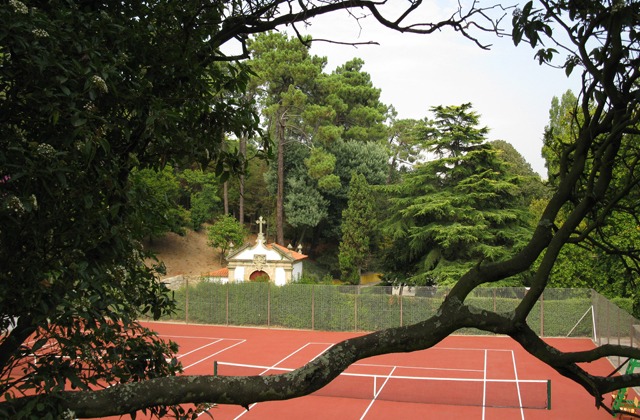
<point>287,71</point>
<point>404,145</point>
<point>450,213</point>
<point>600,266</point>
<point>366,158</point>
<point>355,102</point>
<point>304,206</point>
<point>225,233</point>
<point>560,132</point>
<point>90,91</point>
<point>358,225</point>
<point>258,201</point>
<point>531,186</point>
<point>158,194</point>
<point>201,193</point>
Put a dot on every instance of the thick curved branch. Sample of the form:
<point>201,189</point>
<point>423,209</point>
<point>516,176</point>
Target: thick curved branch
<point>567,363</point>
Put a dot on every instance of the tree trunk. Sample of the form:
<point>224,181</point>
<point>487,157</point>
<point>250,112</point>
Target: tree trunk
<point>392,166</point>
<point>243,153</point>
<point>280,125</point>
<point>225,197</point>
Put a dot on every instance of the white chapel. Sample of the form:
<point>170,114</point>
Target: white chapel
<point>273,262</point>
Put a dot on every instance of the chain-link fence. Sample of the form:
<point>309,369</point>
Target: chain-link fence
<point>614,326</point>
<point>558,312</point>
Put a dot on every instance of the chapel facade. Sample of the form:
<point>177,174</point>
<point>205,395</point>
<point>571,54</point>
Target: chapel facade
<point>262,261</point>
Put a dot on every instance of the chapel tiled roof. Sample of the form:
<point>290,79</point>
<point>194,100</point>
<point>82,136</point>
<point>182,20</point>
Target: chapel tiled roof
<point>290,252</point>
<point>222,272</point>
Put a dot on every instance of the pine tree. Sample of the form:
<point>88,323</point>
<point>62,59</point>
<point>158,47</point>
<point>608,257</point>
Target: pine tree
<point>358,221</point>
<point>457,210</point>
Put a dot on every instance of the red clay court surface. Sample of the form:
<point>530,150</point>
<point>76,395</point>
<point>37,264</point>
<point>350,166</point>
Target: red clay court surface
<point>479,357</point>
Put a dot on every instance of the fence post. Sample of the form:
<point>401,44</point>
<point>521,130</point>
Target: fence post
<point>226,308</point>
<point>313,306</point>
<point>400,297</point>
<point>494,299</point>
<point>542,315</point>
<point>618,330</point>
<point>355,309</point>
<point>268,304</point>
<point>186,303</point>
<point>608,327</point>
<point>595,316</point>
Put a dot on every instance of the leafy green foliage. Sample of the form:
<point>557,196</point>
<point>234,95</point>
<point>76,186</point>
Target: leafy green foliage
<point>404,146</point>
<point>91,93</point>
<point>304,205</point>
<point>606,262</point>
<point>354,103</point>
<point>204,206</point>
<point>560,132</point>
<point>224,232</point>
<point>358,226</point>
<point>453,212</point>
<point>338,116</point>
<point>201,191</point>
<point>286,73</point>
<point>158,193</point>
<point>531,185</point>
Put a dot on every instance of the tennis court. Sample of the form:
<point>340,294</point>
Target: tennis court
<point>470,377</point>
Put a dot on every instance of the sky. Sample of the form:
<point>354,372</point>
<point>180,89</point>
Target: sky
<point>506,85</point>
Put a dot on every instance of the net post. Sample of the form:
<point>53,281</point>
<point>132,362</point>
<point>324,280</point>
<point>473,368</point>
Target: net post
<point>215,368</point>
<point>226,306</point>
<point>593,321</point>
<point>548,394</point>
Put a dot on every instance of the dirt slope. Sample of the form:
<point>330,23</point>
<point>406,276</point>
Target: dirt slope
<point>187,254</point>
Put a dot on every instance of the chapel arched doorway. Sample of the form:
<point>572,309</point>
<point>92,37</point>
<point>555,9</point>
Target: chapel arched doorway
<point>259,275</point>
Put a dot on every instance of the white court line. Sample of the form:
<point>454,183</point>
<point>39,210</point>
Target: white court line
<point>515,372</point>
<point>202,360</point>
<point>463,349</point>
<point>374,376</point>
<point>484,384</point>
<point>214,354</point>
<point>276,364</point>
<point>200,348</point>
<point>484,379</point>
<point>376,392</point>
<point>198,336</point>
<point>416,367</point>
<point>394,367</point>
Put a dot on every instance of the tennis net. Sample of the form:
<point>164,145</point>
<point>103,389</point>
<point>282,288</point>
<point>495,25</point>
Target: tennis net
<point>404,384</point>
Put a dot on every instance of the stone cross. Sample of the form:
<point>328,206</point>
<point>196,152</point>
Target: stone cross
<point>260,222</point>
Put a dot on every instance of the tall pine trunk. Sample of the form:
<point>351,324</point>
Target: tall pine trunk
<point>280,128</point>
<point>225,197</point>
<point>243,153</point>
